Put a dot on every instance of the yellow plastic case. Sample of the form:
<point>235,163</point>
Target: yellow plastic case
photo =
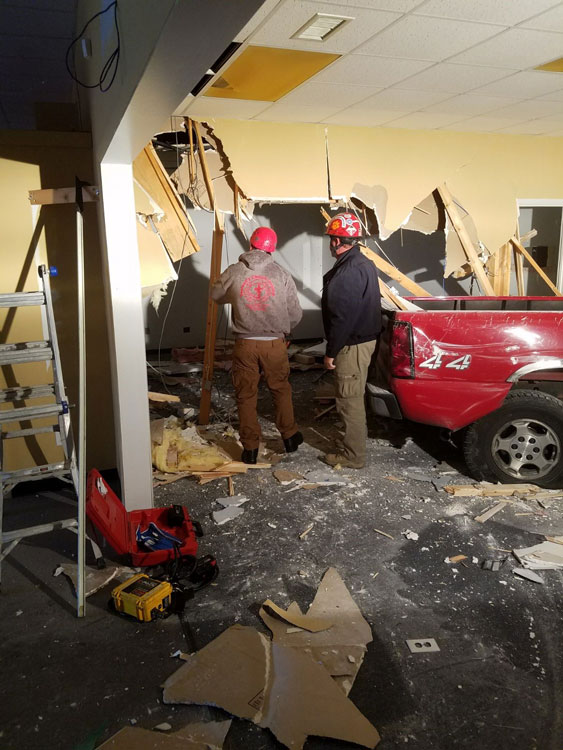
<point>142,597</point>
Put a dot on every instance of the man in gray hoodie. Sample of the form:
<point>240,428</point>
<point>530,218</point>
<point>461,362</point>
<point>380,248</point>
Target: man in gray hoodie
<point>265,309</point>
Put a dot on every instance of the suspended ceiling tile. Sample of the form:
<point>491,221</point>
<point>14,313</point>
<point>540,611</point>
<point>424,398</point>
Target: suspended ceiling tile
<point>402,6</point>
<point>427,38</point>
<point>530,108</point>
<point>283,111</point>
<point>504,12</point>
<point>293,14</point>
<point>533,127</point>
<point>525,85</point>
<point>267,73</point>
<point>424,121</point>
<point>485,124</point>
<point>553,96</point>
<point>454,79</point>
<point>265,9</point>
<point>335,95</point>
<point>237,109</point>
<point>404,100</point>
<point>515,48</point>
<point>357,115</point>
<point>468,105</point>
<point>379,71</point>
<point>550,21</point>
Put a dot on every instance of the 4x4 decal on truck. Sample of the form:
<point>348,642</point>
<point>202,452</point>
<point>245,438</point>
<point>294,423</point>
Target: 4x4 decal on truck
<point>437,361</point>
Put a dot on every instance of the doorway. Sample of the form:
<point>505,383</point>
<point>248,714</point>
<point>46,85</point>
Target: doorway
<point>545,216</point>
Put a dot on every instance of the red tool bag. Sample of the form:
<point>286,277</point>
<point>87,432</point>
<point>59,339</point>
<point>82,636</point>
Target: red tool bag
<point>119,527</point>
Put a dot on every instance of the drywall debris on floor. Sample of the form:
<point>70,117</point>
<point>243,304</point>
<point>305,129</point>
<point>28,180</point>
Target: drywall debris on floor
<point>176,450</point>
<point>234,500</point>
<point>94,578</point>
<point>226,514</point>
<point>529,575</point>
<point>197,736</point>
<point>544,556</point>
<point>275,686</point>
<point>348,635</point>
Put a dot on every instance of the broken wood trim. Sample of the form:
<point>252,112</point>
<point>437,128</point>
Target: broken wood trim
<point>211,326</point>
<point>50,196</point>
<point>175,230</point>
<point>394,273</point>
<point>520,251</point>
<point>465,241</point>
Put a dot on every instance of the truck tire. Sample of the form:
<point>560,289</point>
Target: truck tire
<point>522,441</point>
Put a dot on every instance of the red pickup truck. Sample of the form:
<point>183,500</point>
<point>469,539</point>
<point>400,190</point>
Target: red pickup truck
<point>487,368</point>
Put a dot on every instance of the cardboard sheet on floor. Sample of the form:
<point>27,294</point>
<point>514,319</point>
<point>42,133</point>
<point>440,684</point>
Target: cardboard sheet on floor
<point>279,162</point>
<point>173,453</point>
<point>197,736</point>
<point>274,686</point>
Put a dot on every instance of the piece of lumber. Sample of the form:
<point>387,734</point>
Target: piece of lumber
<point>394,273</point>
<point>175,229</point>
<point>50,196</point>
<point>390,297</point>
<point>465,240</point>
<point>324,214</point>
<point>163,397</point>
<point>325,411</point>
<point>491,512</point>
<point>230,486</point>
<point>517,245</point>
<point>204,169</point>
<point>211,325</point>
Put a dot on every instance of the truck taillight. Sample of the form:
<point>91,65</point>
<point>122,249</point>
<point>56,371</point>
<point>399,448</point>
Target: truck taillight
<point>402,357</point>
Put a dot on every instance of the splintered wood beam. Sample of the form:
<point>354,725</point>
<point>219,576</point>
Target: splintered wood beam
<point>50,196</point>
<point>394,273</point>
<point>465,239</point>
<point>387,294</point>
<point>520,250</point>
<point>519,270</point>
<point>204,169</point>
<point>211,327</point>
<point>175,229</point>
<point>499,266</point>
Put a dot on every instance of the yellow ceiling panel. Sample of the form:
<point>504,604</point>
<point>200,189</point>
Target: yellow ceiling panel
<point>555,66</point>
<point>268,73</point>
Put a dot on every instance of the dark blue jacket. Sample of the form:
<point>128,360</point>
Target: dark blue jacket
<point>351,302</point>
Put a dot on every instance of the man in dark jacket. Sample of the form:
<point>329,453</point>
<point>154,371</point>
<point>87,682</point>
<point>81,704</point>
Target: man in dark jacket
<point>265,309</point>
<point>351,305</point>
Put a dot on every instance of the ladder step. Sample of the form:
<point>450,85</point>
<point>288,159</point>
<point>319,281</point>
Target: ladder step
<point>19,393</point>
<point>34,472</point>
<point>29,351</point>
<point>44,528</point>
<point>22,299</point>
<point>30,412</point>
<point>29,431</point>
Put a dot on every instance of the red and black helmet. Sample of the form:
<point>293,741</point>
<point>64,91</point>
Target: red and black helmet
<point>344,225</point>
<point>264,238</point>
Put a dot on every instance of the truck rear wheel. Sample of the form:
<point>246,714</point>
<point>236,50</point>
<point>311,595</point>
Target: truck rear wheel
<point>520,442</point>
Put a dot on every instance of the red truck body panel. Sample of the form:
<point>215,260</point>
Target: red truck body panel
<point>463,358</point>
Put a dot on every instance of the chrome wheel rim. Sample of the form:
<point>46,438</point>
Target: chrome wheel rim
<point>526,449</point>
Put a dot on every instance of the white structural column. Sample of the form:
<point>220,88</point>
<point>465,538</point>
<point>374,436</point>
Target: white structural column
<point>123,279</point>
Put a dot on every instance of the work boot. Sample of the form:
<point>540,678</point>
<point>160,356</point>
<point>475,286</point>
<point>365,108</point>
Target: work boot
<point>332,459</point>
<point>249,455</point>
<point>292,443</point>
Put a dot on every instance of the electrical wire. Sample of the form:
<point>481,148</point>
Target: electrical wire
<point>111,62</point>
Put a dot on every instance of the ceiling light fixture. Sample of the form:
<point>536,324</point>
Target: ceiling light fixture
<point>321,26</point>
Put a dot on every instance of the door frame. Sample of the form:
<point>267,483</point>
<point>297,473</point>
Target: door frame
<point>548,203</point>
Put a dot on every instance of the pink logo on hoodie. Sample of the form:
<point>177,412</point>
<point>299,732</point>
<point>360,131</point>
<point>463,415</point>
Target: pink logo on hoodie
<point>257,292</point>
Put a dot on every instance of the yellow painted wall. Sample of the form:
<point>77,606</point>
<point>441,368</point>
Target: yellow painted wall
<point>29,161</point>
<point>394,169</point>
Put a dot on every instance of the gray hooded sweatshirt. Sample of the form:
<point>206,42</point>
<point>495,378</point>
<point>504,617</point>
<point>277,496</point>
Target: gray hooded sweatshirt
<point>263,296</point>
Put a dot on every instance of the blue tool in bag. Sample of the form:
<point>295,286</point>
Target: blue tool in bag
<point>154,538</point>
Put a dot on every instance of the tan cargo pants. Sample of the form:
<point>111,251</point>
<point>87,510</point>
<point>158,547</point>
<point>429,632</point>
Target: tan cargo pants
<point>251,359</point>
<point>352,364</point>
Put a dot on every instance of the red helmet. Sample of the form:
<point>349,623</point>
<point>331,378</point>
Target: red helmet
<point>264,238</point>
<point>344,225</point>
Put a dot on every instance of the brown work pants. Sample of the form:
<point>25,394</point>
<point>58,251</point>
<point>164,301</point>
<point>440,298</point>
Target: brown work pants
<point>352,364</point>
<point>252,358</point>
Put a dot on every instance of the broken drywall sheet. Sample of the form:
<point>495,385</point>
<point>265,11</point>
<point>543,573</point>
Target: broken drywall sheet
<point>276,162</point>
<point>172,453</point>
<point>544,556</point>
<point>348,636</point>
<point>305,622</point>
<point>94,578</point>
<point>274,686</point>
<point>196,190</point>
<point>197,736</point>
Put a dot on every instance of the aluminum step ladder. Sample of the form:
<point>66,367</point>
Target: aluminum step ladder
<point>66,470</point>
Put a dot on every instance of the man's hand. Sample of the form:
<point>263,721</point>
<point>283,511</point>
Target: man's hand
<point>329,363</point>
